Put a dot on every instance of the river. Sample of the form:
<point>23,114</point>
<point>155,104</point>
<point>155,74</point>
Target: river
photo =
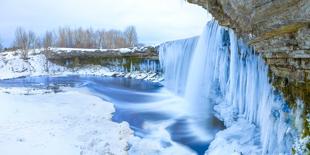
<point>148,107</point>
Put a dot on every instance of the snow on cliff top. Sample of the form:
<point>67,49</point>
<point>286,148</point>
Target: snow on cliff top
<point>121,50</point>
<point>12,66</point>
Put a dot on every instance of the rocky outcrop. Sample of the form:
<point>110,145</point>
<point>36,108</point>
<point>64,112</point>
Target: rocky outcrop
<point>279,30</point>
<point>71,53</point>
<point>124,60</point>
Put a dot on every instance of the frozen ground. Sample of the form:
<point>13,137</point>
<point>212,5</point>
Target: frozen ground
<point>12,66</point>
<point>72,122</point>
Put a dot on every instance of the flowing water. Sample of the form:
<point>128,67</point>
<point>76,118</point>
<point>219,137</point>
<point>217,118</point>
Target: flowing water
<point>146,106</point>
<point>222,76</point>
<point>207,79</point>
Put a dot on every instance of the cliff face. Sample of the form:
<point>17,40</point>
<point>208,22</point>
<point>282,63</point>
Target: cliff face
<point>280,31</point>
<point>124,60</point>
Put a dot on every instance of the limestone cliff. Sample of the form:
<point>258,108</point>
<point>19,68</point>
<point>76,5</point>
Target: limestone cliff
<point>121,60</point>
<point>280,31</point>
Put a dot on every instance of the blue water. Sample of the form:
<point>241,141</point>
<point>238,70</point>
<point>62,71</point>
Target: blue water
<point>136,102</point>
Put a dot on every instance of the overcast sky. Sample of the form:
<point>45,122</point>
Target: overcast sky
<point>156,20</point>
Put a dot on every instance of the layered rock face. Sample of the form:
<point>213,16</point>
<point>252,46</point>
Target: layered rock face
<point>70,53</point>
<point>280,31</point>
<point>121,60</point>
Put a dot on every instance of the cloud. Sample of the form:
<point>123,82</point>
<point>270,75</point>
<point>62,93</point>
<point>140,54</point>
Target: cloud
<point>156,20</point>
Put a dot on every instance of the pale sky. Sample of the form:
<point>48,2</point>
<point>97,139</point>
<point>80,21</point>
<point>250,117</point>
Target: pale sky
<point>156,20</point>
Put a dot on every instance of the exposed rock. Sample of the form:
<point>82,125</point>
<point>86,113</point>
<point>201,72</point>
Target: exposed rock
<point>13,66</point>
<point>279,30</point>
<point>122,60</point>
<point>71,53</point>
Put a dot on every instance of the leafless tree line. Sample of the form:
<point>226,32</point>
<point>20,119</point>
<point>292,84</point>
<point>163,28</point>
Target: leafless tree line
<point>25,40</point>
<point>76,38</point>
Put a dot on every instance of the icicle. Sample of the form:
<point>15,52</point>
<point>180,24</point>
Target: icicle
<point>222,73</point>
<point>175,58</point>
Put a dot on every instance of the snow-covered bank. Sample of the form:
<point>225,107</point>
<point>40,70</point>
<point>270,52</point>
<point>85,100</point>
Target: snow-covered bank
<point>12,66</point>
<point>70,123</point>
<point>70,52</point>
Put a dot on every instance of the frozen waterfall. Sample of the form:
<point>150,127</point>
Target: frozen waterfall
<point>221,76</point>
<point>175,57</point>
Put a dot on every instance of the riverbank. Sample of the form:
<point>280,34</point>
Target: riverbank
<point>70,118</point>
<point>12,65</point>
<point>71,121</point>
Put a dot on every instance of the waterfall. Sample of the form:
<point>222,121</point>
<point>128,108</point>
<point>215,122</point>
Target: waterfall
<point>175,58</point>
<point>222,76</point>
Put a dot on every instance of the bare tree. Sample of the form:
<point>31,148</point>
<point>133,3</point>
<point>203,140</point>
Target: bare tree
<point>61,42</point>
<point>131,36</point>
<point>89,39</point>
<point>69,37</point>
<point>31,40</point>
<point>76,38</point>
<point>120,40</point>
<point>99,37</point>
<point>48,40</point>
<point>115,39</point>
<point>22,42</point>
<point>21,38</point>
<point>108,39</point>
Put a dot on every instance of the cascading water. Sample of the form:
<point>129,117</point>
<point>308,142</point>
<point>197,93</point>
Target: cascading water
<point>175,57</point>
<point>224,77</point>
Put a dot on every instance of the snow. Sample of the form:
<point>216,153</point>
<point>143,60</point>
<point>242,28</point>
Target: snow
<point>121,50</point>
<point>12,66</point>
<point>69,123</point>
<point>240,138</point>
<point>157,141</point>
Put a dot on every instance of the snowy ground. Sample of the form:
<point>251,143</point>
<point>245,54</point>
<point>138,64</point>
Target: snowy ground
<point>72,122</point>
<point>121,50</point>
<point>12,66</point>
